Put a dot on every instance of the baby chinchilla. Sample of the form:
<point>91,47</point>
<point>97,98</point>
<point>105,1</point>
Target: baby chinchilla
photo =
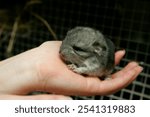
<point>87,51</point>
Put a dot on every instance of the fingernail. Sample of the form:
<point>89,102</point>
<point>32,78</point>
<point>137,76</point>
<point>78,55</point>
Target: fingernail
<point>123,51</point>
<point>138,63</point>
<point>141,68</point>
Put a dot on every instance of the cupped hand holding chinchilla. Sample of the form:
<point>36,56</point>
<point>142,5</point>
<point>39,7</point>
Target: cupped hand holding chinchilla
<point>41,69</point>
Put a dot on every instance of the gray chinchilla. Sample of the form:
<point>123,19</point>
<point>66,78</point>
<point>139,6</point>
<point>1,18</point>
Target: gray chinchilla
<point>88,52</point>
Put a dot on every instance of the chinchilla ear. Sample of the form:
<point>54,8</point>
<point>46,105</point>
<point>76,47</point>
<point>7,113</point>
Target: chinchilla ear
<point>74,30</point>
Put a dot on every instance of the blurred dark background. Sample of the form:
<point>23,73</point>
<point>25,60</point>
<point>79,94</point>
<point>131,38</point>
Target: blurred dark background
<point>126,22</point>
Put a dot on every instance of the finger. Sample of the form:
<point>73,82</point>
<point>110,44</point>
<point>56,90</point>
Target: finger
<point>34,97</point>
<point>130,66</point>
<point>119,55</point>
<point>121,80</point>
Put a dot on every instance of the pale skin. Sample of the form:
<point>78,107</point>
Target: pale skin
<point>42,69</point>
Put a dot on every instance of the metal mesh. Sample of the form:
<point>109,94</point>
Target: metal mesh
<point>125,21</point>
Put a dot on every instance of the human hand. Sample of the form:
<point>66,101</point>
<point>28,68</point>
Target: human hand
<point>61,80</point>
<point>45,71</point>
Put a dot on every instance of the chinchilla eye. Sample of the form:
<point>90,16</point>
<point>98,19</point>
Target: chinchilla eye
<point>99,47</point>
<point>95,44</point>
<point>77,48</point>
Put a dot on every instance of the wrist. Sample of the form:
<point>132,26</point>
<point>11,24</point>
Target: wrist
<point>18,73</point>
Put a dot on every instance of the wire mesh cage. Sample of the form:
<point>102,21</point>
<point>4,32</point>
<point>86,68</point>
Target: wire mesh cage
<point>28,23</point>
